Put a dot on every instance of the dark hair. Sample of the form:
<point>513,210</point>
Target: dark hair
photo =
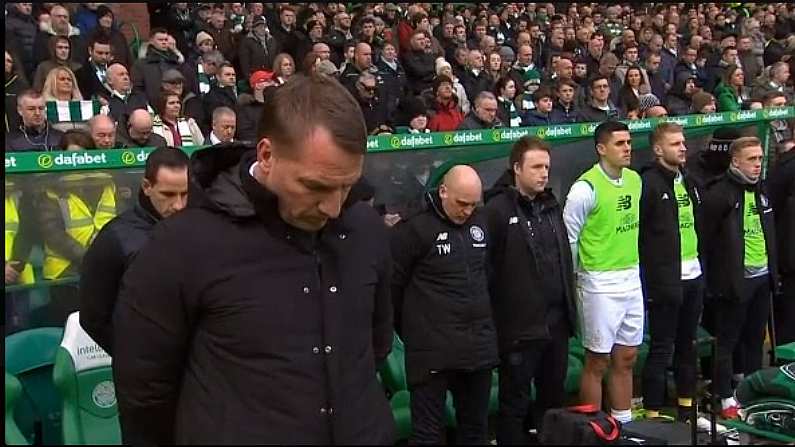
<point>522,146</point>
<point>311,101</point>
<point>53,42</point>
<point>725,50</point>
<point>162,99</point>
<point>78,137</point>
<point>502,82</point>
<point>596,77</point>
<point>604,130</point>
<point>564,81</point>
<point>98,38</point>
<point>773,94</point>
<point>103,11</point>
<point>543,92</point>
<point>154,31</point>
<point>164,157</point>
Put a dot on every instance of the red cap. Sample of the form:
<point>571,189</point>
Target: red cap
<point>259,76</point>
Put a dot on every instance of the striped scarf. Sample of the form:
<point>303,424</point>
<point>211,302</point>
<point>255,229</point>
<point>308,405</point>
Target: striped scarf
<point>515,120</point>
<point>72,111</point>
<point>204,79</point>
<point>160,128</point>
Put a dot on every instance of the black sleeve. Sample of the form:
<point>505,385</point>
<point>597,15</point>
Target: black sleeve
<point>383,324</point>
<point>714,208</point>
<point>152,326</point>
<point>495,228</point>
<point>101,272</point>
<point>406,250</point>
<point>244,58</point>
<point>54,233</point>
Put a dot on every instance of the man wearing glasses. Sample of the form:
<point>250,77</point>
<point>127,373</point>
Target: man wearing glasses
<point>599,107</point>
<point>373,106</point>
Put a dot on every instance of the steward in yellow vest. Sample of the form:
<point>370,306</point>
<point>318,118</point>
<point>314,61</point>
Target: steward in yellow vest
<point>17,237</point>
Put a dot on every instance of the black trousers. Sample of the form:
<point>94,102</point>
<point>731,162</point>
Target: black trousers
<point>544,362</point>
<point>471,391</point>
<point>740,323</point>
<point>784,310</point>
<point>673,324</point>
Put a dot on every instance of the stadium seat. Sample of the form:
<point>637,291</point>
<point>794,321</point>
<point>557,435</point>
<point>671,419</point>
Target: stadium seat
<point>393,371</point>
<point>494,398</point>
<point>83,375</point>
<point>785,353</point>
<point>401,411</point>
<point>30,356</point>
<point>573,374</point>
<point>13,392</point>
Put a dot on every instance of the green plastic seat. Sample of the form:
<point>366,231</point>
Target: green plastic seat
<point>393,371</point>
<point>30,356</point>
<point>576,348</point>
<point>573,375</point>
<point>83,375</point>
<point>494,397</point>
<point>785,353</point>
<point>13,392</point>
<point>401,411</point>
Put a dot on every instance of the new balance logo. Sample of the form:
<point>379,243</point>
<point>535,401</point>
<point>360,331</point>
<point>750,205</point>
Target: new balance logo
<point>624,203</point>
<point>441,237</point>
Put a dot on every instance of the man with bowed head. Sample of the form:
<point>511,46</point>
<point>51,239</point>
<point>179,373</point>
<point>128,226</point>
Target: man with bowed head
<point>272,332</point>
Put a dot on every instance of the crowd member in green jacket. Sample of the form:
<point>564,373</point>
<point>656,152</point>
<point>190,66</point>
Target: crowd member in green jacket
<point>730,91</point>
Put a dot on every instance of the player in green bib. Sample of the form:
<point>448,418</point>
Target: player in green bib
<point>602,215</point>
<point>670,270</point>
<point>741,264</point>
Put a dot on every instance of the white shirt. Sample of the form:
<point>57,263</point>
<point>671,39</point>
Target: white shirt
<point>579,203</point>
<point>216,140</point>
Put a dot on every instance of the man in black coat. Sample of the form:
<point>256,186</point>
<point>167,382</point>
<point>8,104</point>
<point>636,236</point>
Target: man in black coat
<point>265,305</point>
<point>531,287</point>
<point>164,191</point>
<point>442,309</point>
<point>224,93</point>
<point>483,114</point>
<point>21,25</point>
<point>136,131</point>
<point>374,108</point>
<point>419,64</point>
<point>742,269</point>
<point>35,133</point>
<point>147,73</point>
<point>92,77</point>
<point>781,184</point>
<point>670,268</point>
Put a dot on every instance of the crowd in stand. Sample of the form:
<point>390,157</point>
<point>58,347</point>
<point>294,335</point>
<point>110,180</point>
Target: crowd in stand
<point>416,67</point>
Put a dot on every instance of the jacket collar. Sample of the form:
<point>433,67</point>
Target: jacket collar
<point>144,209</point>
<point>434,203</point>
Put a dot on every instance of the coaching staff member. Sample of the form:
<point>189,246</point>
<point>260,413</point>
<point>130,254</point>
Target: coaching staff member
<point>257,315</point>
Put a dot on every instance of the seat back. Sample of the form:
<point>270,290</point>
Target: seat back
<point>84,378</point>
<point>29,356</point>
<point>393,371</point>
<point>13,392</point>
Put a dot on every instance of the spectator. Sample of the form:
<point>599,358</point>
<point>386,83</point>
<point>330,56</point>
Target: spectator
<point>204,44</point>
<point>419,64</point>
<point>224,126</point>
<point>221,31</point>
<point>163,192</point>
<point>670,56</point>
<point>687,67</point>
<point>373,107</point>
<point>106,26</point>
<point>564,110</point>
<point>704,102</point>
<point>60,52</point>
<point>633,87</point>
<point>494,68</point>
<point>192,106</point>
<point>76,140</point>
<point>225,93</point>
<point>35,133</point>
<point>475,79</point>
<point>147,73</point>
<point>283,68</point>
<point>717,72</point>
<point>257,49</point>
<point>362,62</point>
<point>729,91</point>
<point>658,86</point>
<point>781,130</point>
<point>775,81</point>
<point>314,35</point>
<point>524,70</point>
<point>446,112</point>
<point>323,50</point>
<point>92,76</point>
<point>390,70</point>
<point>200,77</point>
<point>103,132</point>
<point>680,99</point>
<point>138,132</point>
<point>367,35</point>
<point>285,33</point>
<point>599,108</point>
<point>58,26</point>
<point>169,123</point>
<point>542,115</point>
<point>327,68</point>
<point>444,68</point>
<point>656,111</point>
<point>505,91</point>
<point>21,24</point>
<point>15,83</point>
<point>86,18</point>
<point>607,68</point>
<point>339,36</point>
<point>61,85</point>
<point>748,59</point>
<point>484,115</point>
<point>120,99</point>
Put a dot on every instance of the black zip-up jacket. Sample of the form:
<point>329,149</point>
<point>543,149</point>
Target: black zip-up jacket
<point>440,293</point>
<point>104,264</point>
<point>521,265</point>
<point>781,184</point>
<point>240,329</point>
<point>659,244</point>
<point>723,210</point>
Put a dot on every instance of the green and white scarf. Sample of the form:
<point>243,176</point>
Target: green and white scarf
<point>204,79</point>
<point>160,128</point>
<point>72,111</point>
<point>515,119</point>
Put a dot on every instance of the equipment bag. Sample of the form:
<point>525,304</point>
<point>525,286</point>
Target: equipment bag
<point>580,425</point>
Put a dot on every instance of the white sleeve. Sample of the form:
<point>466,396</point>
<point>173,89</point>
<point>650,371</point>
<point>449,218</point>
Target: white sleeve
<point>579,203</point>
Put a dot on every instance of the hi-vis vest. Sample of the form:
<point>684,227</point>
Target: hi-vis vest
<point>12,228</point>
<point>79,222</point>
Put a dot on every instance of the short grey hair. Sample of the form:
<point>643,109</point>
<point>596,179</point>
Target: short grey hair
<point>214,56</point>
<point>482,96</point>
<point>221,111</point>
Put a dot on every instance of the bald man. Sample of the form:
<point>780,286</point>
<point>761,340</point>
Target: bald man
<point>103,131</point>
<point>442,309</point>
<point>138,132</point>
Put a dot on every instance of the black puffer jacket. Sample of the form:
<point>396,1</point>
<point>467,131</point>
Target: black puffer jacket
<point>111,253</point>
<point>24,29</point>
<point>259,333</point>
<point>781,184</point>
<point>723,213</point>
<point>147,73</point>
<point>440,293</point>
<point>659,241</point>
<point>521,265</point>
